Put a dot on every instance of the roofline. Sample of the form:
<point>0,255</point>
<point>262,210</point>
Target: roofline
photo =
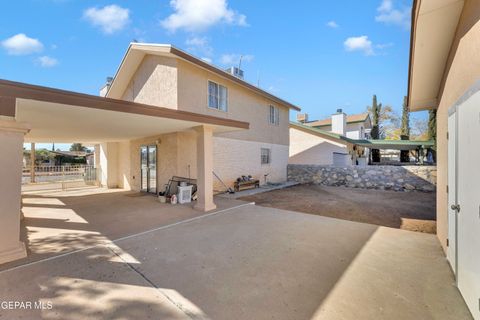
<point>210,67</point>
<point>326,125</point>
<point>413,19</point>
<point>322,133</point>
<point>20,90</point>
<point>360,142</point>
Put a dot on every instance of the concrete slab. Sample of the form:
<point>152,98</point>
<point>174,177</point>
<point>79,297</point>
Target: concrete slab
<point>56,222</point>
<point>247,262</point>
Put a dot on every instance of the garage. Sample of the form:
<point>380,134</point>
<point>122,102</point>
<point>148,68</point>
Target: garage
<point>444,76</point>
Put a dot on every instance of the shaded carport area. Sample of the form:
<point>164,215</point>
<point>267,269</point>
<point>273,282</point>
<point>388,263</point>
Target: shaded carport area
<point>31,113</point>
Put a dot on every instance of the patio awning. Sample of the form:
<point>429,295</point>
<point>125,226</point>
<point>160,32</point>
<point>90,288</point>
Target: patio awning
<point>65,116</point>
<point>372,143</point>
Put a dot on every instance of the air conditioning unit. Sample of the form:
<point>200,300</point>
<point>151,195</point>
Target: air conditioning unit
<point>184,194</point>
<point>236,72</point>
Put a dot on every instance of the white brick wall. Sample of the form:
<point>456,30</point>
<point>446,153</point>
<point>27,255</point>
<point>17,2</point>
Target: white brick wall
<point>234,158</point>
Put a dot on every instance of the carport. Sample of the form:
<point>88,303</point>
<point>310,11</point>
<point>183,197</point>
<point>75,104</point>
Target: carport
<point>31,113</point>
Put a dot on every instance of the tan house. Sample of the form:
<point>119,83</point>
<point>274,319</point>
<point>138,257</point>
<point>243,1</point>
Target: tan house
<point>162,75</point>
<point>329,141</point>
<point>166,114</point>
<point>445,75</point>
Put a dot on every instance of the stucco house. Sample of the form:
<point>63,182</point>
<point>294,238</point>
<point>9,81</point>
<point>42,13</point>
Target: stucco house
<point>444,74</point>
<point>354,126</point>
<point>165,113</point>
<point>329,141</point>
<point>164,76</point>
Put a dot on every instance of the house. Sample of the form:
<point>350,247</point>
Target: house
<point>355,126</point>
<point>444,74</point>
<point>165,113</point>
<point>164,76</point>
<point>326,144</point>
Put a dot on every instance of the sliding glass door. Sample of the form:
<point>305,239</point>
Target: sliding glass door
<point>148,164</point>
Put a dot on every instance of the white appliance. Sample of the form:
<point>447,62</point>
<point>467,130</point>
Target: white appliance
<point>184,194</point>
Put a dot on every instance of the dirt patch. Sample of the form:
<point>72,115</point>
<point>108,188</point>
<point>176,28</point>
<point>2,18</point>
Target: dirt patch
<point>414,211</point>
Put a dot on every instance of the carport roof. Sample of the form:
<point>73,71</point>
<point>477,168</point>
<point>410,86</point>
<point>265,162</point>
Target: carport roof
<point>71,116</point>
<point>368,143</point>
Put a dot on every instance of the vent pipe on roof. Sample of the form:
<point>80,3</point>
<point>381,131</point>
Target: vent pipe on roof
<point>106,87</point>
<point>302,117</point>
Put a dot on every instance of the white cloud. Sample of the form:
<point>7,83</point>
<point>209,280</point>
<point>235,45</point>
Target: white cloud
<point>20,44</point>
<point>47,62</point>
<point>207,60</point>
<point>361,43</point>
<point>388,14</point>
<point>199,45</point>
<point>199,15</point>
<point>234,59</point>
<point>109,19</point>
<point>332,24</point>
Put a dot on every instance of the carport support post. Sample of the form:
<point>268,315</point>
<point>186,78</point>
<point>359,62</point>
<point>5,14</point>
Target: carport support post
<point>11,162</point>
<point>204,168</point>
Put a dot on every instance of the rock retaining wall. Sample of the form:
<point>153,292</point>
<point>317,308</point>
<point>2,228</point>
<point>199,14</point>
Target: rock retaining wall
<point>398,178</point>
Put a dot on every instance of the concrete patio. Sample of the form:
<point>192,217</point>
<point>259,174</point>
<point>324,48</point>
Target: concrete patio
<point>138,259</point>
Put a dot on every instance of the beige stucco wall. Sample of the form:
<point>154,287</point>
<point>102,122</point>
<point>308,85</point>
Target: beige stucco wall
<point>172,83</point>
<point>234,158</point>
<point>243,105</point>
<point>124,165</point>
<point>307,148</point>
<point>154,82</point>
<point>462,71</point>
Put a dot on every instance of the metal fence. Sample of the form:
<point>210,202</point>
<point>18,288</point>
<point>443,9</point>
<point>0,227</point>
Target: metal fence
<point>86,174</point>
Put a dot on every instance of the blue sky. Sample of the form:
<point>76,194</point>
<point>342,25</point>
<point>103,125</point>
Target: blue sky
<point>321,55</point>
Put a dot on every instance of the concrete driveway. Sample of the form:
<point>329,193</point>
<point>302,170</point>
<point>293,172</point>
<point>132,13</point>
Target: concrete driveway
<point>243,262</point>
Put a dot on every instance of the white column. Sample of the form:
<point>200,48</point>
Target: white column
<point>109,164</point>
<point>204,168</point>
<point>11,162</point>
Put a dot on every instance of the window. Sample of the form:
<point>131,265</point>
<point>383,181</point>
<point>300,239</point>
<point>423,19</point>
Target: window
<point>217,96</point>
<point>265,156</point>
<point>274,116</point>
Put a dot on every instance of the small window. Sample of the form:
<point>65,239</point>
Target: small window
<point>265,156</point>
<point>217,96</point>
<point>274,116</point>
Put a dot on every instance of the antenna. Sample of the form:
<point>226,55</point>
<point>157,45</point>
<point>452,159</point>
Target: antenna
<point>240,63</point>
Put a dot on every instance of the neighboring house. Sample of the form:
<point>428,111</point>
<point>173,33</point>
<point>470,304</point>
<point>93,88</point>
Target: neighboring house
<point>164,76</point>
<point>444,75</point>
<point>326,145</point>
<point>355,126</point>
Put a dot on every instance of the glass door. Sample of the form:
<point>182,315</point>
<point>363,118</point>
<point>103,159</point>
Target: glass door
<point>152,169</point>
<point>148,167</point>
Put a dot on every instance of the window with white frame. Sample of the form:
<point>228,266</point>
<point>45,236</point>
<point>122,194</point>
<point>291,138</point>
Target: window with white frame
<point>274,116</point>
<point>217,96</point>
<point>265,156</point>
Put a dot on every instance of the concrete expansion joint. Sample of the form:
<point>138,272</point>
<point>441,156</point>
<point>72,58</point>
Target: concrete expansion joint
<point>150,282</point>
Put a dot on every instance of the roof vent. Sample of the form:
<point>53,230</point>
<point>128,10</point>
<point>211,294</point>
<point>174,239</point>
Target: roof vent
<point>106,87</point>
<point>235,71</point>
<point>339,111</point>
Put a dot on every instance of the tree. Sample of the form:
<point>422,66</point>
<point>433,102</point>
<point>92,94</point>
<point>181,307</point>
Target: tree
<point>405,130</point>
<point>375,133</point>
<point>432,131</point>
<point>77,147</point>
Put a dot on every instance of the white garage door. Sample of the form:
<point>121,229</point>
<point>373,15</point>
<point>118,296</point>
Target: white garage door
<point>466,141</point>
